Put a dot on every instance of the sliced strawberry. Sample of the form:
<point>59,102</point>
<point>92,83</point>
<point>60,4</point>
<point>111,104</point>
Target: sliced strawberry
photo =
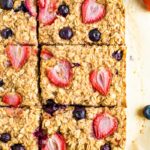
<point>56,142</point>
<point>101,80</point>
<point>92,11</point>
<point>12,99</point>
<point>45,54</point>
<point>41,3</point>
<point>47,14</point>
<point>18,55</point>
<point>61,74</point>
<point>147,4</point>
<point>31,6</point>
<point>104,125</point>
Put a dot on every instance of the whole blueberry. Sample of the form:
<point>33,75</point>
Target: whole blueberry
<point>22,7</point>
<point>117,55</point>
<point>66,33</point>
<point>6,33</point>
<point>94,35</point>
<point>6,4</point>
<point>79,112</point>
<point>50,107</point>
<point>105,147</point>
<point>17,147</point>
<point>5,137</point>
<point>63,10</point>
<point>1,83</point>
<point>146,111</point>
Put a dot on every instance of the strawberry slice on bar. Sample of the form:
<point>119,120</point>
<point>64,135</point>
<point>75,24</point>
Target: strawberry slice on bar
<point>101,80</point>
<point>47,14</point>
<point>31,6</point>
<point>18,55</point>
<point>104,125</point>
<point>12,99</point>
<point>41,3</point>
<point>92,11</point>
<point>45,54</point>
<point>61,74</point>
<point>56,142</point>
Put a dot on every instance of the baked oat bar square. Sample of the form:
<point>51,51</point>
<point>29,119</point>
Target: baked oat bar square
<point>84,75</point>
<point>18,127</point>
<point>18,76</point>
<point>82,22</point>
<point>18,22</point>
<point>82,128</point>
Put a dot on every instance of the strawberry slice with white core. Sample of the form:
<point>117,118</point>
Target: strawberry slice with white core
<point>101,80</point>
<point>92,11</point>
<point>12,99</point>
<point>45,54</point>
<point>31,6</point>
<point>56,142</point>
<point>61,74</point>
<point>41,3</point>
<point>47,14</point>
<point>104,125</point>
<point>18,55</point>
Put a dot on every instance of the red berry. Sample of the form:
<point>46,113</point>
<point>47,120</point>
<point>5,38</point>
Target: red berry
<point>18,55</point>
<point>104,125</point>
<point>61,74</point>
<point>56,142</point>
<point>101,80</point>
<point>92,11</point>
<point>31,6</point>
<point>12,99</point>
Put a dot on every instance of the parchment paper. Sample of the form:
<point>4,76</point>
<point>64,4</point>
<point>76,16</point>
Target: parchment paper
<point>138,74</point>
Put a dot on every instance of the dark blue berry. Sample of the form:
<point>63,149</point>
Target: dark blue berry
<point>17,147</point>
<point>105,147</point>
<point>1,83</point>
<point>79,112</point>
<point>63,10</point>
<point>50,107</point>
<point>5,137</point>
<point>6,33</point>
<point>146,111</point>
<point>66,33</point>
<point>117,55</point>
<point>22,7</point>
<point>6,4</point>
<point>94,35</point>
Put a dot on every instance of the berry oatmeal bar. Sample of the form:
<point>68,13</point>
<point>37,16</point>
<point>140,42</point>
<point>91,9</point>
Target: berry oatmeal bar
<point>18,75</point>
<point>18,22</point>
<point>84,75</point>
<point>80,128</point>
<point>81,22</point>
<point>18,128</point>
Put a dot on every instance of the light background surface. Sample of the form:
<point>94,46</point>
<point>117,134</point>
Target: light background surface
<point>138,74</point>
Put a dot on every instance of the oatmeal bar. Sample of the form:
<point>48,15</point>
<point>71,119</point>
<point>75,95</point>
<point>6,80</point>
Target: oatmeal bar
<point>82,22</point>
<point>18,23</point>
<point>82,128</point>
<point>18,126</point>
<point>84,75</point>
<point>18,75</point>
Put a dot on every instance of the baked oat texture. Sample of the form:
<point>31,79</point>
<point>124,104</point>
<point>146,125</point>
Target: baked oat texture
<point>79,134</point>
<point>80,90</point>
<point>21,123</point>
<point>22,25</point>
<point>24,81</point>
<point>111,27</point>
